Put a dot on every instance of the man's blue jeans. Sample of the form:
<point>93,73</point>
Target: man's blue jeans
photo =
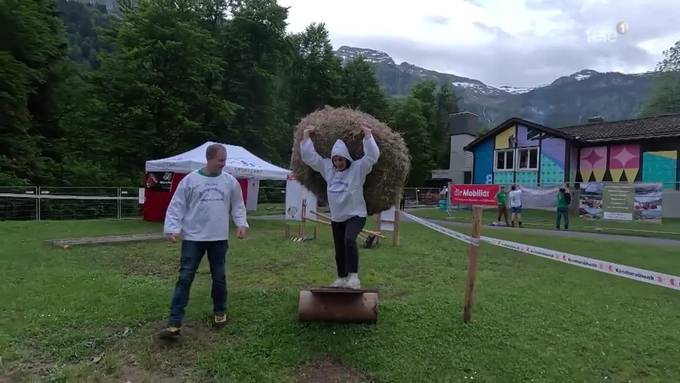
<point>192,253</point>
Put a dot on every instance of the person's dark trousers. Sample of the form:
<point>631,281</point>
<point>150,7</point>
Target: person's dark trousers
<point>345,238</point>
<point>192,253</point>
<point>503,211</point>
<point>562,212</point>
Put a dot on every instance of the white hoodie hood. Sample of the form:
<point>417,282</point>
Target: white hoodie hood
<point>340,149</point>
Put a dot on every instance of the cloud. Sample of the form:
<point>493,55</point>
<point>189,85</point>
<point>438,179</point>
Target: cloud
<point>502,42</point>
<point>476,3</point>
<point>495,31</point>
<point>441,20</point>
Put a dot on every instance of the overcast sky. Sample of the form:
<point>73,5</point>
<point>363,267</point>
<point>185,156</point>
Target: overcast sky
<point>502,42</point>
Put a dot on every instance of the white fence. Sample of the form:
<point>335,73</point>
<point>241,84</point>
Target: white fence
<point>54,203</point>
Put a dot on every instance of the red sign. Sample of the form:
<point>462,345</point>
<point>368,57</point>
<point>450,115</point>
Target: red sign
<point>474,194</point>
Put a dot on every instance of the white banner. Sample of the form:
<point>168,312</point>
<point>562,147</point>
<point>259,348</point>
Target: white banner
<point>387,219</point>
<point>533,198</point>
<point>295,194</point>
<point>640,275</point>
<point>253,193</point>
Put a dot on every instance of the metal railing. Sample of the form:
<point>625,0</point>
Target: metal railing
<point>55,203</point>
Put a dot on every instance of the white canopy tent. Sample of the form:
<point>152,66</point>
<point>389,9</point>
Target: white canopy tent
<point>240,163</point>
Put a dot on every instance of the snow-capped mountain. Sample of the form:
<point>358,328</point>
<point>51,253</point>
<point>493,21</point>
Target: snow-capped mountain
<point>568,100</point>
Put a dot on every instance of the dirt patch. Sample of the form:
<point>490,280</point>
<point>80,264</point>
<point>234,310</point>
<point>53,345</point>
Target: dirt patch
<point>35,365</point>
<point>140,267</point>
<point>175,357</point>
<point>136,374</point>
<point>328,371</point>
<point>194,334</point>
<point>165,361</point>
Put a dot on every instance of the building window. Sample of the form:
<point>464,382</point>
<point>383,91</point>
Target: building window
<point>527,159</point>
<point>505,160</point>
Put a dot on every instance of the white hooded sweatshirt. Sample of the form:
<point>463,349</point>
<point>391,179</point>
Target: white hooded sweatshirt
<point>345,188</point>
<point>201,206</point>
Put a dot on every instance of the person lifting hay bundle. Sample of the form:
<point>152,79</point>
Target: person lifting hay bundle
<point>345,179</point>
<point>355,182</point>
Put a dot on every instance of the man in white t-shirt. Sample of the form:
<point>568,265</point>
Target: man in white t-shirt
<point>516,205</point>
<point>199,212</point>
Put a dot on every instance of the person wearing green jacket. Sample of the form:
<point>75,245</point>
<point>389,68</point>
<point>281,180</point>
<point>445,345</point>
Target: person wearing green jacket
<point>563,201</point>
<point>502,200</point>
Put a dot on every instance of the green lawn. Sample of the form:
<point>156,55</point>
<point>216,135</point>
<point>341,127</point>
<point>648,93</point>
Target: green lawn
<point>542,219</point>
<point>91,313</point>
<point>269,208</point>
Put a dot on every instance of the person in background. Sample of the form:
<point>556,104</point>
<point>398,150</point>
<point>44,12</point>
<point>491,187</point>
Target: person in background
<point>516,205</point>
<point>199,212</point>
<point>345,179</point>
<point>563,202</point>
<point>502,200</point>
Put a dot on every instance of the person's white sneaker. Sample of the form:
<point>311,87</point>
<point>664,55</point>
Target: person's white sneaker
<point>353,281</point>
<point>340,282</point>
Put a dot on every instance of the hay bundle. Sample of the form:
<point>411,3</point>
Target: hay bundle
<point>384,185</point>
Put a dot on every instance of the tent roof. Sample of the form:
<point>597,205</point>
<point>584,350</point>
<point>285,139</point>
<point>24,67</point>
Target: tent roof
<point>240,163</point>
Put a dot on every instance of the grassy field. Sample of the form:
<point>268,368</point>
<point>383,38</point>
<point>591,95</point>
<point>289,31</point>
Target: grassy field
<point>542,219</point>
<point>91,313</point>
<point>271,208</point>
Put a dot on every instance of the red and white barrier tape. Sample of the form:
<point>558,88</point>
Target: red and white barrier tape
<point>634,273</point>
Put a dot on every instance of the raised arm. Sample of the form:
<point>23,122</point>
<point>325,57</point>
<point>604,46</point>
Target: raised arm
<point>371,151</point>
<point>309,154</point>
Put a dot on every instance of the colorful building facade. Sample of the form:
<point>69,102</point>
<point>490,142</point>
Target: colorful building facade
<point>522,152</point>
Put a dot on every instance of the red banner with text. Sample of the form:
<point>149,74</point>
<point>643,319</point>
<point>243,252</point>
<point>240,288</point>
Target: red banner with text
<point>474,194</point>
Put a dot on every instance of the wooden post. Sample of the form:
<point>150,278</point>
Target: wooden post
<point>301,229</point>
<point>378,228</point>
<point>395,231</point>
<point>472,264</point>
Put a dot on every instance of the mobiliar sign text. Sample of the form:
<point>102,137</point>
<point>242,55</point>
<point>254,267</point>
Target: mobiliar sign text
<point>474,194</point>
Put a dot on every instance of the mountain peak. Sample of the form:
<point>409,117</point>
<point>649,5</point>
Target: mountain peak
<point>517,89</point>
<point>581,75</point>
<point>584,74</point>
<point>346,53</point>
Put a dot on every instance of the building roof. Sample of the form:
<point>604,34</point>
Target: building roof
<point>667,125</point>
<point>513,121</point>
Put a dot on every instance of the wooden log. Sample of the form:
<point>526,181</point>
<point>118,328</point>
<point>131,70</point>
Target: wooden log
<point>338,305</point>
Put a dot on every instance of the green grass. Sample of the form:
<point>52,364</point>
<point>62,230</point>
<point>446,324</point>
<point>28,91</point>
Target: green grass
<point>269,208</point>
<point>91,313</point>
<point>542,219</point>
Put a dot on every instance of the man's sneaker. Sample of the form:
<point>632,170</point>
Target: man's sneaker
<point>353,282</point>
<point>170,332</point>
<point>220,320</point>
<point>340,282</point>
